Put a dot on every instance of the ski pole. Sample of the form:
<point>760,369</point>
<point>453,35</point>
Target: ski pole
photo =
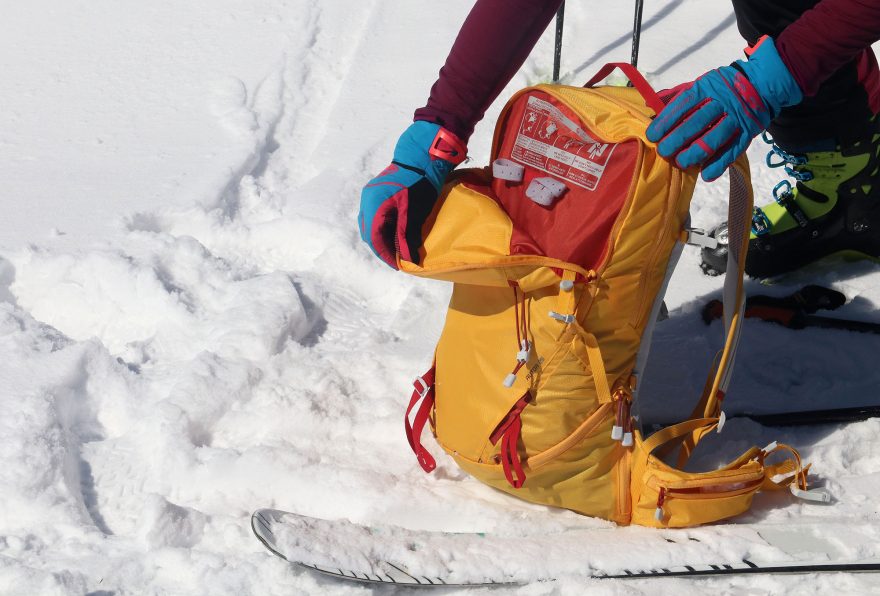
<point>796,311</point>
<point>557,51</point>
<point>637,33</point>
<point>798,417</point>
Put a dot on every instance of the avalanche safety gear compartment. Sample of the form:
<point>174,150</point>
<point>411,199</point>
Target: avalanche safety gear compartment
<point>553,308</point>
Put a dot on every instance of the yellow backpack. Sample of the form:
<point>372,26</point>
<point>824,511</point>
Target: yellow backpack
<point>560,253</point>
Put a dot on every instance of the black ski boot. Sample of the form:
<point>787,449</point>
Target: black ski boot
<point>833,209</point>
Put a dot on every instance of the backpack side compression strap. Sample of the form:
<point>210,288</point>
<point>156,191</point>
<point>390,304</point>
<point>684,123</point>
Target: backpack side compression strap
<point>739,224</point>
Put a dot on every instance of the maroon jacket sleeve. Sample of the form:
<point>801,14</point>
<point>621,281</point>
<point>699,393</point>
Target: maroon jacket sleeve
<point>493,43</point>
<point>828,36</point>
<point>498,35</point>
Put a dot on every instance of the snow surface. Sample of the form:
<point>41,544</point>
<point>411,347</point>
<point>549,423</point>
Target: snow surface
<point>191,329</point>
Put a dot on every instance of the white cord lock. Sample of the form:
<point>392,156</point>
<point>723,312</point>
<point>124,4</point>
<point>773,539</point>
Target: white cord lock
<point>523,354</point>
<point>560,317</point>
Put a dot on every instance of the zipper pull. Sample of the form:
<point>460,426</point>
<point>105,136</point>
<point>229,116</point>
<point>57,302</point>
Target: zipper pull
<point>661,498</point>
<point>622,429</point>
<point>627,426</point>
<point>617,429</point>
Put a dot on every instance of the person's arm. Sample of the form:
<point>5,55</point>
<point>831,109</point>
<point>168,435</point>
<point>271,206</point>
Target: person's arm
<point>493,43</point>
<point>715,118</point>
<point>826,37</point>
<point>491,46</point>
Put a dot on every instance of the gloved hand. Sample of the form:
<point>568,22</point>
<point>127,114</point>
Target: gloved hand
<point>396,203</point>
<point>715,118</point>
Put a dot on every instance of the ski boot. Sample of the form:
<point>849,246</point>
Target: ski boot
<point>834,208</point>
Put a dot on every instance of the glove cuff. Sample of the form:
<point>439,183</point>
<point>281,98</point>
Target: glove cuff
<point>431,149</point>
<point>770,76</point>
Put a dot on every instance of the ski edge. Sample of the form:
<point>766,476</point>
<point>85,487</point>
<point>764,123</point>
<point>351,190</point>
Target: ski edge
<point>748,568</point>
<point>404,577</point>
<point>744,567</point>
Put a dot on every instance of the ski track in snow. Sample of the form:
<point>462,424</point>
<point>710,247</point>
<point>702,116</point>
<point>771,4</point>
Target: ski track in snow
<point>243,349</point>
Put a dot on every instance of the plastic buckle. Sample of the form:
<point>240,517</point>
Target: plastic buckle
<point>760,222</point>
<point>781,191</point>
<point>770,449</point>
<point>786,200</point>
<point>699,237</point>
<point>567,319</point>
<point>815,495</point>
<point>424,389</point>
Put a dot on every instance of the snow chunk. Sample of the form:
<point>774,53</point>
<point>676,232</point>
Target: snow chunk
<point>167,524</point>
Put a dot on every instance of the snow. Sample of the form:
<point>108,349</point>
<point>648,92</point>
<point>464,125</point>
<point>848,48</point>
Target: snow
<point>191,329</point>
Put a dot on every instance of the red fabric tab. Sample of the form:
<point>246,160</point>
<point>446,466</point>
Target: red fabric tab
<point>510,417</point>
<point>449,147</point>
<point>510,460</point>
<point>424,393</point>
<point>508,432</point>
<point>635,77</point>
<point>749,50</point>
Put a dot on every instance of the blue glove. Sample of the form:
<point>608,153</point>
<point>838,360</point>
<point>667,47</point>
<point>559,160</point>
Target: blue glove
<point>715,118</point>
<point>396,203</point>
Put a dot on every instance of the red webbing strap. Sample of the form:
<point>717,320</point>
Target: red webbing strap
<point>647,92</point>
<point>424,393</point>
<point>510,460</point>
<point>509,431</point>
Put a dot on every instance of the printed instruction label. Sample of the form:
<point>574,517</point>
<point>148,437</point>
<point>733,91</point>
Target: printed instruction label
<point>551,142</point>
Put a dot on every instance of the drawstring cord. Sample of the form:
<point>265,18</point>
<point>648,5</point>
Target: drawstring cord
<point>524,346</point>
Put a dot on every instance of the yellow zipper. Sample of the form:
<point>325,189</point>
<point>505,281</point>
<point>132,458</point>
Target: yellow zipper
<point>691,491</point>
<point>752,476</point>
<point>624,495</point>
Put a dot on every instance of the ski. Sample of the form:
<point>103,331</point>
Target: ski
<point>394,555</point>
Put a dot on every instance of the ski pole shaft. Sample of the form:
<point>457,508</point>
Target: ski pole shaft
<point>845,324</point>
<point>799,417</point>
<point>637,33</point>
<point>810,417</point>
<point>557,50</point>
